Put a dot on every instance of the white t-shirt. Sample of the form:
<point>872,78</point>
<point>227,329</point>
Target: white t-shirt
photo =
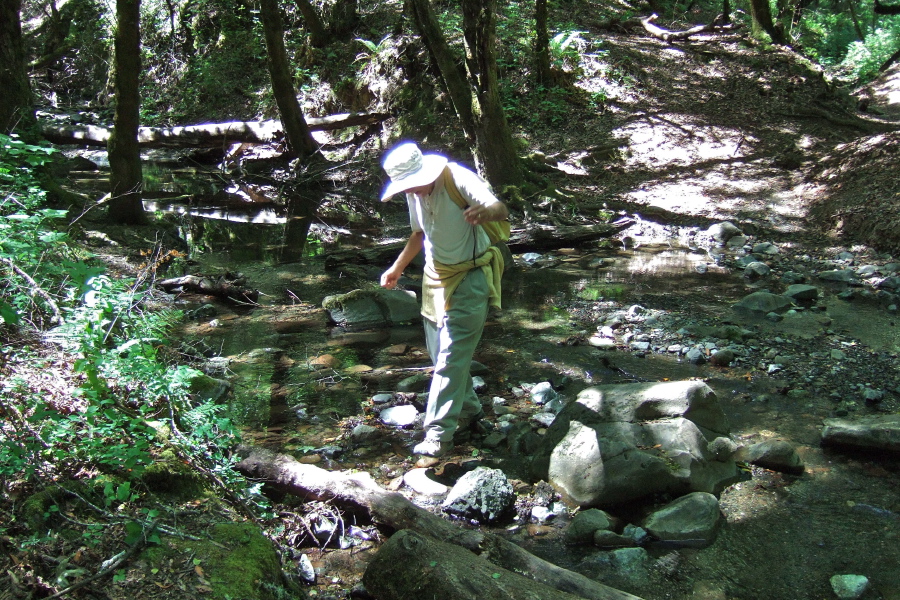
<point>448,238</point>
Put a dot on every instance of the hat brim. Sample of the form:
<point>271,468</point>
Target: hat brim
<point>432,166</point>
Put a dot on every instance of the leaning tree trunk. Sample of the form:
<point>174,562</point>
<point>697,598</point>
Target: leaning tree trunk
<point>453,77</point>
<point>318,36</point>
<point>300,141</point>
<point>125,176</point>
<point>17,107</point>
<point>494,141</point>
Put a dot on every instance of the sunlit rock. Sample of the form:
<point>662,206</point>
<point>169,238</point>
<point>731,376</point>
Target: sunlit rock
<point>618,443</point>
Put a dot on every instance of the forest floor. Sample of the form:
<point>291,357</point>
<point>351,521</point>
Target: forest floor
<point>712,129</point>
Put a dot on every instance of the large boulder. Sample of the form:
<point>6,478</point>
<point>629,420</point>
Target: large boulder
<point>618,443</point>
<point>369,309</point>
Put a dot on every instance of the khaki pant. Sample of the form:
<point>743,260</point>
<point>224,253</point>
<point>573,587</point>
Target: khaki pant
<point>451,344</point>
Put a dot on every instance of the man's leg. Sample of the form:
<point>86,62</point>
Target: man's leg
<point>452,345</point>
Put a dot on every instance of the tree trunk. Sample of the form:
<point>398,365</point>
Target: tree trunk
<point>495,148</point>
<point>318,37</point>
<point>17,107</point>
<point>344,17</point>
<point>410,565</point>
<point>453,77</point>
<point>125,177</point>
<point>761,16</point>
<point>541,43</point>
<point>300,141</point>
<point>360,494</point>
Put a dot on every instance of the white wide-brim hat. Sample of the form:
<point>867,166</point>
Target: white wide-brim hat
<point>408,168</point>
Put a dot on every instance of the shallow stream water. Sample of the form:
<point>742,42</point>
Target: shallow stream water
<point>304,383</point>
<point>300,385</point>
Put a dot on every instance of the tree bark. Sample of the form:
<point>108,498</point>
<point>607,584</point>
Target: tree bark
<point>318,36</point>
<point>541,43</point>
<point>17,107</point>
<point>495,148</point>
<point>126,179</point>
<point>344,17</point>
<point>300,141</point>
<point>453,77</point>
<point>360,494</point>
<point>410,565</point>
<point>210,135</point>
<point>761,16</point>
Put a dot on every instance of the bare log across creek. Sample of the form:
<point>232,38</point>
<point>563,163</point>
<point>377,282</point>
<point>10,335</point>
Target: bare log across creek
<point>359,493</point>
<point>208,135</point>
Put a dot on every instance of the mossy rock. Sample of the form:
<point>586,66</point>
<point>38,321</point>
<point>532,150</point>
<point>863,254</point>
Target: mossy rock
<point>238,562</point>
<point>170,475</point>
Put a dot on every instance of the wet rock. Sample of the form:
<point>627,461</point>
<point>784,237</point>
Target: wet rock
<point>543,392</point>
<point>722,232</point>
<point>621,567</point>
<point>756,270</point>
<point>849,587</point>
<point>484,495</point>
<point>722,448</point>
<point>604,538</point>
<point>422,481</point>
<point>305,569</point>
<point>695,356</point>
<point>722,358</point>
<point>693,520</point>
<point>889,283</point>
<point>778,455</point>
<point>764,302</point>
<point>764,248</point>
<point>585,524</point>
<point>877,432</point>
<point>478,384</point>
<point>840,276</point>
<point>414,383</point>
<point>617,443</point>
<point>399,416</point>
<point>363,432</point>
<point>792,278</point>
<point>382,398</point>
<point>493,440</point>
<point>801,292</point>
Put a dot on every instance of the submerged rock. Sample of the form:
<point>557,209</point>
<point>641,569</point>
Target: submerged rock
<point>878,432</point>
<point>692,520</point>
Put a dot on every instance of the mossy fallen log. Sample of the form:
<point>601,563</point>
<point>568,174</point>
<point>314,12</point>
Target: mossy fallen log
<point>359,493</point>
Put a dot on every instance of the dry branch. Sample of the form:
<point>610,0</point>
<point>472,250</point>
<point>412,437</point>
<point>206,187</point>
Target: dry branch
<point>359,493</point>
<point>203,285</point>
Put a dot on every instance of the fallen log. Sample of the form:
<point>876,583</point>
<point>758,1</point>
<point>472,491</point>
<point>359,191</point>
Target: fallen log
<point>668,36</point>
<point>531,239</point>
<point>410,565</point>
<point>208,135</point>
<point>359,493</point>
<point>203,285</point>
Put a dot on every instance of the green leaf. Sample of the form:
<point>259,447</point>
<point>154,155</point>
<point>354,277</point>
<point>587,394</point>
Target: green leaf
<point>9,314</point>
<point>496,575</point>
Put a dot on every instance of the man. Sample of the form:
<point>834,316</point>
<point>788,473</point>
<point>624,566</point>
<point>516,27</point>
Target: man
<point>462,278</point>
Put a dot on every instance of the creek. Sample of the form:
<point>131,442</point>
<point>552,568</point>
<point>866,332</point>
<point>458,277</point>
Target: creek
<point>300,384</point>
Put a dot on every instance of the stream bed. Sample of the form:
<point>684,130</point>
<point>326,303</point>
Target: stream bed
<point>300,385</point>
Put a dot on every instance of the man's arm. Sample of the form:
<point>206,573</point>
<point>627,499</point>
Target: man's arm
<point>413,246</point>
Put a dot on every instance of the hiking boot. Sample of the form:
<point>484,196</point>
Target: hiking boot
<point>431,447</point>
